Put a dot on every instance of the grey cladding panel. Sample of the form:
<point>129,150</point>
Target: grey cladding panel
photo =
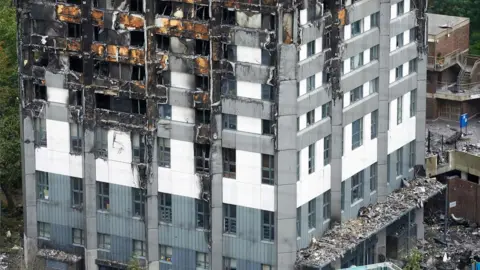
<point>177,130</point>
<point>312,100</point>
<point>362,9</point>
<point>247,107</point>
<point>57,112</point>
<point>180,97</point>
<point>311,66</point>
<point>252,72</point>
<point>403,55</point>
<point>402,23</point>
<point>322,225</point>
<point>351,210</point>
<point>360,43</point>
<point>311,32</point>
<point>121,249</point>
<point>403,86</point>
<point>360,76</point>
<point>247,141</point>
<point>360,108</point>
<point>314,133</point>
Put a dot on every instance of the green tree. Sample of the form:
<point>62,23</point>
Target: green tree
<point>414,260</point>
<point>10,160</point>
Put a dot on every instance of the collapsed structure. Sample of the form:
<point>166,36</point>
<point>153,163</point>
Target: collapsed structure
<point>197,133</point>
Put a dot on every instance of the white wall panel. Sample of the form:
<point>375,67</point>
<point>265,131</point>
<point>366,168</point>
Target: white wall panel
<point>366,56</point>
<point>119,146</point>
<point>249,55</point>
<point>346,66</point>
<point>249,124</point>
<point>303,121</point>
<point>57,95</point>
<point>406,6</point>
<point>318,79</point>
<point>249,90</point>
<point>366,23</point>
<point>182,80</point>
<point>406,37</point>
<point>183,114</point>
<point>346,99</point>
<point>347,31</point>
<point>318,45</point>
<point>400,135</point>
<point>392,75</point>
<point>62,163</point>
<point>303,17</point>
<point>393,43</point>
<point>405,69</point>
<point>58,136</point>
<point>303,52</point>
<point>302,87</point>
<point>393,11</point>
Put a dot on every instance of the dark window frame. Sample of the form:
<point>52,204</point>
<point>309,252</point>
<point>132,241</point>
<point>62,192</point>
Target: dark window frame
<point>229,219</point>
<point>268,172</point>
<point>312,222</point>
<point>357,187</point>
<point>77,191</point>
<point>373,177</point>
<point>138,202</point>
<point>357,133</point>
<point>75,138</point>
<point>327,145</point>
<point>311,158</point>
<point>229,163</point>
<point>165,209</point>
<point>103,196</point>
<point>327,199</point>
<point>43,187</point>
<point>41,132</point>
<point>202,211</point>
<point>268,226</point>
<point>164,152</point>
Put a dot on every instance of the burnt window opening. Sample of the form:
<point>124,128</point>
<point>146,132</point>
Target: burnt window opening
<point>163,78</point>
<point>101,142</point>
<point>202,13</point>
<point>138,73</point>
<point>138,148</point>
<point>229,163</point>
<point>163,42</point>
<point>202,116</point>
<point>165,111</point>
<point>136,5</point>
<point>229,85</point>
<point>121,104</point>
<point>228,16</point>
<point>164,8</point>
<point>99,3</point>
<point>101,68</point>
<point>40,58</point>
<point>268,58</point>
<point>76,98</point>
<point>137,38</point>
<point>139,106</point>
<point>267,127</point>
<point>74,30</point>
<point>201,82</point>
<point>96,33</point>
<point>268,22</point>
<point>202,158</point>
<point>103,101</point>
<point>202,47</point>
<point>75,2</point>
<point>230,52</point>
<point>40,92</point>
<point>75,138</point>
<point>76,63</point>
<point>267,92</point>
<point>183,10</point>
<point>326,39</point>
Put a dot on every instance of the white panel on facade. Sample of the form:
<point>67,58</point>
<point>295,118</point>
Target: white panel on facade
<point>182,80</point>
<point>393,11</point>
<point>400,135</point>
<point>302,87</point>
<point>241,193</point>
<point>366,23</point>
<point>182,158</point>
<point>249,167</point>
<point>302,121</point>
<point>58,136</point>
<point>346,99</point>
<point>267,197</point>
<point>124,174</point>
<point>303,17</point>
<point>318,114</point>
<point>183,114</point>
<point>392,75</point>
<point>57,95</point>
<point>406,37</point>
<point>366,56</point>
<point>318,79</point>
<point>62,163</point>
<point>347,31</point>
<point>249,90</point>
<point>185,184</point>
<point>119,146</point>
<point>393,114</point>
<point>366,89</point>
<point>303,52</point>
<point>346,66</point>
<point>249,55</point>
<point>406,6</point>
<point>249,124</point>
<point>248,21</point>
<point>318,45</point>
<point>393,43</point>
<point>405,69</point>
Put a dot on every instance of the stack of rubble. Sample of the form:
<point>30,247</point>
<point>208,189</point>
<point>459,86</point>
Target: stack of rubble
<point>346,236</point>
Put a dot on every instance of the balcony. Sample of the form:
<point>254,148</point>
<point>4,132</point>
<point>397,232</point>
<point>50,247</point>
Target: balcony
<point>442,62</point>
<point>458,92</point>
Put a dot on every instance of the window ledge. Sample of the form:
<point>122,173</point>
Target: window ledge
<point>356,202</point>
<point>165,223</point>
<point>326,221</point>
<point>167,262</point>
<point>270,242</point>
<point>137,218</point>
<point>103,211</point>
<point>311,230</point>
<point>104,250</point>
<point>230,235</point>
<point>373,192</point>
<point>202,230</point>
<point>43,200</point>
<point>43,238</point>
<point>78,245</point>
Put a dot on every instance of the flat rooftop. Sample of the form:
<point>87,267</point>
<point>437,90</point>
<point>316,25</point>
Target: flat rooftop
<point>438,23</point>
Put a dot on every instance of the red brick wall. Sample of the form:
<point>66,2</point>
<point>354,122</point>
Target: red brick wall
<point>464,193</point>
<point>458,39</point>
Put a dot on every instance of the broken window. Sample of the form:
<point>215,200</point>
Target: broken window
<point>326,205</point>
<point>75,138</point>
<point>399,164</point>
<point>201,82</point>
<point>103,196</point>
<point>165,207</point>
<point>374,124</point>
<point>202,116</point>
<point>75,98</point>
<point>41,131</point>
<point>96,33</point>
<point>74,30</point>
<point>164,8</point>
<point>136,6</point>
<point>327,144</point>
<point>101,68</point>
<point>42,185</point>
<point>230,121</point>
<point>103,101</point>
<point>78,237</point>
<point>163,78</point>
<point>202,47</point>
<point>312,221</point>
<point>326,110</point>
<point>99,3</point>
<point>101,142</point>
<point>138,200</point>
<point>311,158</point>
<point>76,63</point>
<point>183,10</point>
<point>373,177</point>
<point>165,111</point>
<point>137,38</point>
<point>228,16</point>
<point>229,163</point>
<point>202,12</point>
<point>399,110</point>
<point>138,73</point>
<point>229,85</point>
<point>229,52</point>
<point>77,191</point>
<point>103,241</point>
<point>267,127</point>
<point>357,187</point>
<point>203,214</point>
<point>268,21</point>
<point>40,58</point>
<point>268,169</point>
<point>357,133</point>
<point>139,248</point>
<point>43,230</point>
<point>139,106</point>
<point>138,148</point>
<point>267,92</point>
<point>356,94</point>
<point>229,218</point>
<point>163,42</point>
<point>268,225</point>
<point>163,152</point>
<point>268,58</point>
<point>202,158</point>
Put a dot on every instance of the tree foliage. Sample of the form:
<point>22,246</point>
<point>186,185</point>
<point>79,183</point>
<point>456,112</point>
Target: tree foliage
<point>414,260</point>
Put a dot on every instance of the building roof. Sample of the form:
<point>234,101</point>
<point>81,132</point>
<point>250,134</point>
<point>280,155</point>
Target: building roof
<point>438,23</point>
<point>336,242</point>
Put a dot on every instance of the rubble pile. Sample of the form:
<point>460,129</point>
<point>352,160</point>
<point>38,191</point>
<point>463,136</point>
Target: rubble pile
<point>346,236</point>
<point>452,137</point>
<point>58,255</point>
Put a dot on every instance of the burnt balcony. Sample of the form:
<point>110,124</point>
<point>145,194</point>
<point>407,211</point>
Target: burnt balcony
<point>458,92</point>
<point>442,62</point>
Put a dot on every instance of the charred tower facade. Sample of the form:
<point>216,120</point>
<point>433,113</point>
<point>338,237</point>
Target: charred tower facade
<point>211,134</point>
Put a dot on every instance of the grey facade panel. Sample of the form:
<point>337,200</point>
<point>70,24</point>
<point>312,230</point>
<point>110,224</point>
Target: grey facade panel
<point>182,259</point>
<point>121,249</point>
<point>360,76</point>
<point>314,133</point>
<point>247,107</point>
<point>403,55</point>
<point>248,265</point>
<point>180,97</point>
<point>311,66</point>
<point>252,72</point>
<point>247,244</point>
<point>119,220</point>
<point>58,208</point>
<point>312,100</point>
<point>245,141</point>
<point>322,225</point>
<point>57,112</point>
<point>403,86</point>
<point>362,42</point>
<point>182,233</point>
<point>246,37</point>
<point>402,23</point>
<point>310,32</point>
<point>362,9</point>
<point>360,109</point>
<point>176,130</point>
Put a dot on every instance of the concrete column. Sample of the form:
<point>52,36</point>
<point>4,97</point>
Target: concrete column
<point>419,222</point>
<point>217,193</point>
<point>381,246</point>
<point>90,199</point>
<point>421,113</point>
<point>29,189</point>
<point>152,209</point>
<point>464,175</point>
<point>383,98</point>
<point>336,163</point>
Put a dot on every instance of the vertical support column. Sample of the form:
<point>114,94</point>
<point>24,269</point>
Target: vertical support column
<point>336,163</point>
<point>419,222</point>
<point>216,203</point>
<point>381,246</point>
<point>152,206</point>
<point>383,99</point>
<point>421,112</point>
<point>90,199</point>
<point>29,189</point>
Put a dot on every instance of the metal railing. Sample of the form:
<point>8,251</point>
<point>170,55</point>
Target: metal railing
<point>458,89</point>
<point>444,61</point>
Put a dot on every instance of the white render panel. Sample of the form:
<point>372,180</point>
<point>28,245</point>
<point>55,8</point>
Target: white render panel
<point>393,11</point>
<point>393,43</point>
<point>366,89</point>
<point>119,146</point>
<point>346,66</point>
<point>303,17</point>
<point>249,124</point>
<point>302,87</point>
<point>318,45</point>
<point>303,52</point>
<point>318,79</point>
<point>249,90</point>
<point>182,80</point>
<point>362,156</point>
<point>347,31</point>
<point>248,21</point>
<point>57,95</point>
<point>249,55</point>
<point>406,36</point>
<point>405,69</point>
<point>182,158</point>
<point>318,114</point>
<point>124,174</point>
<point>400,135</point>
<point>62,163</point>
<point>392,75</point>
<point>406,6</point>
<point>183,114</point>
<point>366,56</point>
<point>346,99</point>
<point>58,136</point>
<point>303,121</point>
<point>366,23</point>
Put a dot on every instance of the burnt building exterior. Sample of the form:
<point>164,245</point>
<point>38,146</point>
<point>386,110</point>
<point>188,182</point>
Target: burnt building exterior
<point>202,134</point>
